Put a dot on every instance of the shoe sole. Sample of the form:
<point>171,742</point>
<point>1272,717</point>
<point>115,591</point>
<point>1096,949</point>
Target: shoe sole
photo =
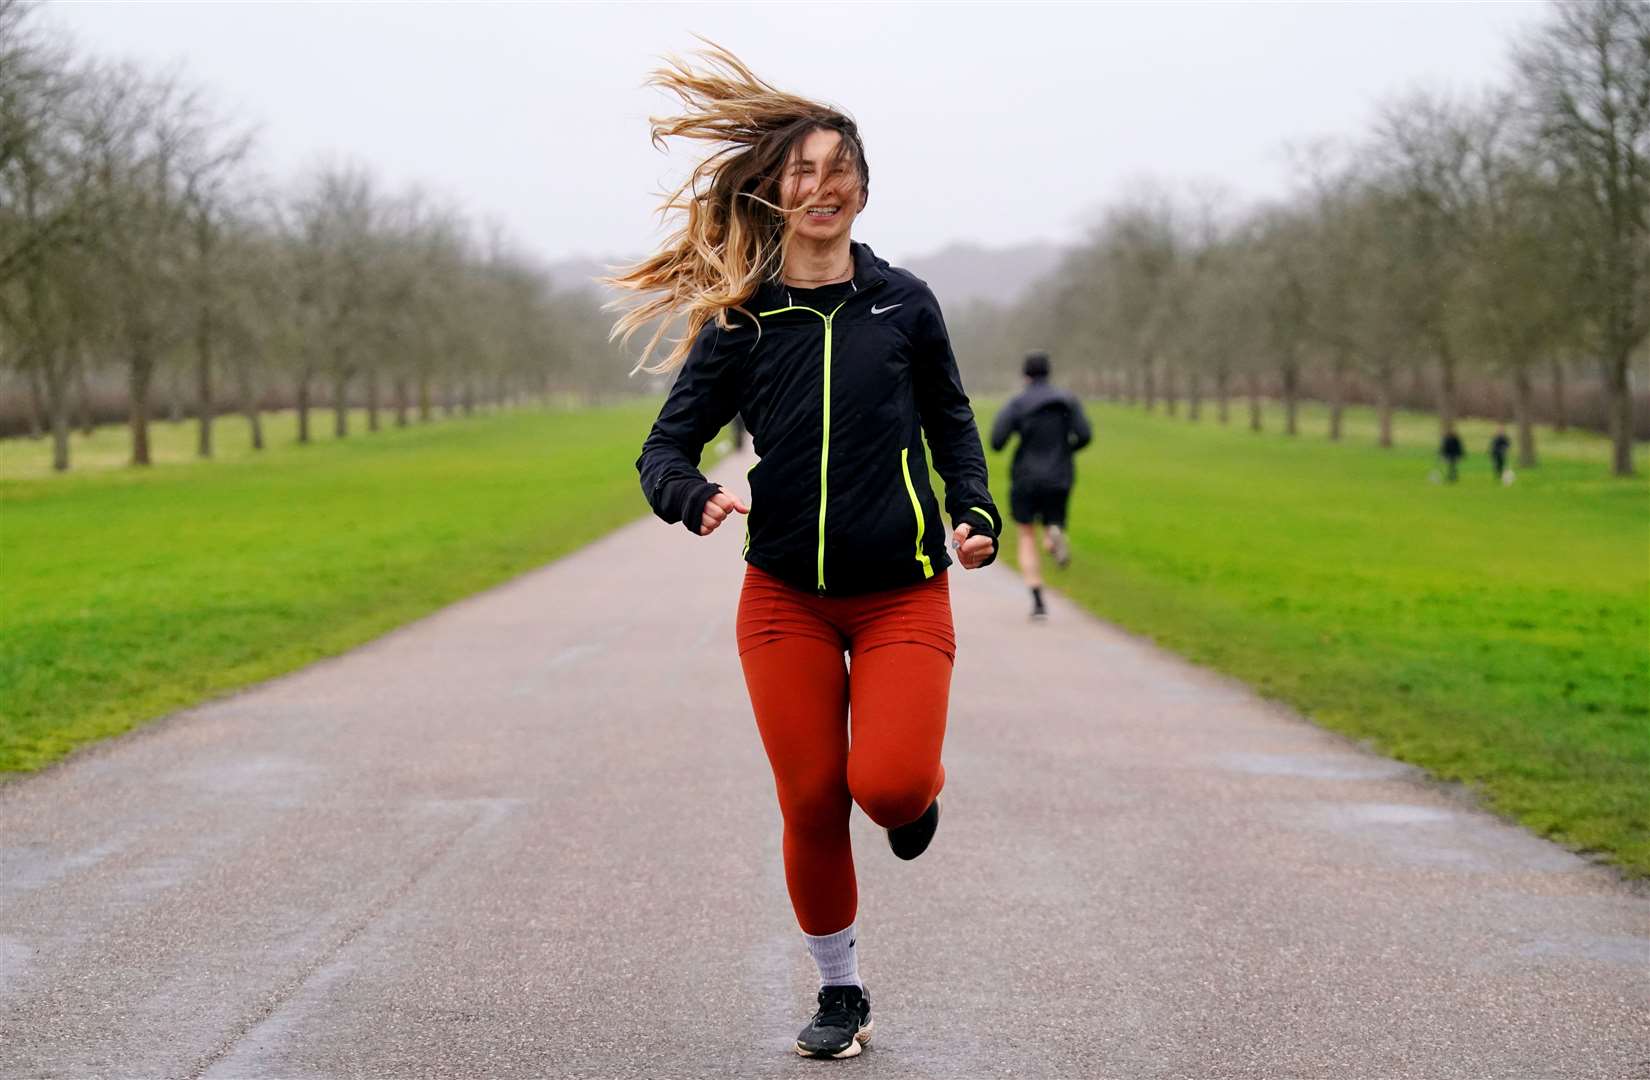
<point>1060,549</point>
<point>861,1037</point>
<point>1060,546</point>
<point>927,843</point>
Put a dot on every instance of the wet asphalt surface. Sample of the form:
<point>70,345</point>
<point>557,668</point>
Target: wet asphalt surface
<point>535,835</point>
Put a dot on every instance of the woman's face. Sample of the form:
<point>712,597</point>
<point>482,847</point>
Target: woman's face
<point>813,174</point>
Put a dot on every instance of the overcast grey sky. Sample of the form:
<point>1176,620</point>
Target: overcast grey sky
<point>988,123</point>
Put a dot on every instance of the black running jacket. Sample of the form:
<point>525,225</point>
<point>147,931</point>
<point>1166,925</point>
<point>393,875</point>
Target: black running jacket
<point>1052,428</point>
<point>837,404</point>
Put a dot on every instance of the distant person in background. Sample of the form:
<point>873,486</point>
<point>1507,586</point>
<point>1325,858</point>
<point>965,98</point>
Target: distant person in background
<point>1052,427</point>
<point>1498,451</point>
<point>1452,452</point>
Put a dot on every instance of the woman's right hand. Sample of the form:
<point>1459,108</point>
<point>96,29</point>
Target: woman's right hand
<point>717,509</point>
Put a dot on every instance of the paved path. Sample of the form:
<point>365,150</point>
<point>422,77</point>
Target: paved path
<point>535,835</point>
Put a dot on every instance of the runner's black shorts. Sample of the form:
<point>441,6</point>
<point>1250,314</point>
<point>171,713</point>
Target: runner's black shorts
<point>1049,507</point>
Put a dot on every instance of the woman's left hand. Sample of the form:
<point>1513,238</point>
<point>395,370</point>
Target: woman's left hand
<point>972,551</point>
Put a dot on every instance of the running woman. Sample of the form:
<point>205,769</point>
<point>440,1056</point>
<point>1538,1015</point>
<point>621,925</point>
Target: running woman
<point>1052,427</point>
<point>840,367</point>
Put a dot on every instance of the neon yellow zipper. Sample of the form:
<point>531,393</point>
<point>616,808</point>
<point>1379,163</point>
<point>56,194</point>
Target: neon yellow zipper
<point>916,507</point>
<point>825,440</point>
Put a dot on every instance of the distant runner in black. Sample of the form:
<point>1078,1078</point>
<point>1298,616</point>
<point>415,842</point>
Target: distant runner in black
<point>1452,452</point>
<point>1052,428</point>
<point>1498,452</point>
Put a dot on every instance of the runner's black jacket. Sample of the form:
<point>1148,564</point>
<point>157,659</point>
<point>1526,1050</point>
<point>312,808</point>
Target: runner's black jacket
<point>837,403</point>
<point>1052,428</point>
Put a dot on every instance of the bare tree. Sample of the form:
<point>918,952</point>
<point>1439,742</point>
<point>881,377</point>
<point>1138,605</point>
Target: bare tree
<point>1202,329</point>
<point>333,218</point>
<point>1138,248</point>
<point>1586,76</point>
<point>209,196</point>
<point>40,209</point>
<point>1284,239</point>
<point>1519,303</point>
<point>147,138</point>
<point>257,314</point>
<point>1424,148</point>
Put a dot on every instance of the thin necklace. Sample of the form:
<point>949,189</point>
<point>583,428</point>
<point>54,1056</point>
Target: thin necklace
<point>840,273</point>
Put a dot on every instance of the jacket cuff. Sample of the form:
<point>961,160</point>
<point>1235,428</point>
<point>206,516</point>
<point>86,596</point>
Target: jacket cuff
<point>693,510</point>
<point>982,521</point>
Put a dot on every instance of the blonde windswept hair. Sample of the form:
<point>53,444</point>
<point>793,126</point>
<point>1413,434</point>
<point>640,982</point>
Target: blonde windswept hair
<point>733,234</point>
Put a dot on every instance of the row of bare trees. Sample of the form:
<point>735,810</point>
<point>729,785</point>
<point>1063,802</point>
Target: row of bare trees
<point>1498,239</point>
<point>135,241</point>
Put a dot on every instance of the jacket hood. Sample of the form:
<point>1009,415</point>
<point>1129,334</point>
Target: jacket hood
<point>1040,393</point>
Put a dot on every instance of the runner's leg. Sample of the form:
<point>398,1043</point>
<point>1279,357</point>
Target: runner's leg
<point>900,695</point>
<point>902,645</point>
<point>798,683</point>
<point>799,691</point>
<point>1030,569</point>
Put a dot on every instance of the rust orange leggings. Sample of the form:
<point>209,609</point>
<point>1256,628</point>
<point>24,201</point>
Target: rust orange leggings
<point>867,731</point>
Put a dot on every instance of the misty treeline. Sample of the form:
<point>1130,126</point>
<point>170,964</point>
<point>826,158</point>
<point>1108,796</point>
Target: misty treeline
<point>1490,250</point>
<point>141,255</point>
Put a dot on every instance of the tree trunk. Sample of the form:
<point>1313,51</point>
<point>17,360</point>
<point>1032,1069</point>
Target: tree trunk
<point>60,435</point>
<point>1383,407</point>
<point>372,399</point>
<point>1171,401</point>
<point>425,409</point>
<point>141,378</point>
<point>1561,418</point>
<point>400,390</point>
<point>1446,388</point>
<point>303,406</point>
<point>1619,404</point>
<point>1254,402</point>
<point>1223,394</point>
<point>449,404</point>
<point>1291,396</point>
<point>1131,386</point>
<point>1523,392</point>
<point>340,406</point>
<point>469,397</point>
<point>249,403</point>
<point>57,411</point>
<point>203,385</point>
<point>1150,377</point>
<point>1337,403</point>
<point>1194,395</point>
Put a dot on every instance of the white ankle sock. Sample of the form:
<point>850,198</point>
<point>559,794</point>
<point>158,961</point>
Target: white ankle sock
<point>836,956</point>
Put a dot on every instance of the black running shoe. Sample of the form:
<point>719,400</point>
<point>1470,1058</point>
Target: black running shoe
<point>1038,611</point>
<point>912,838</point>
<point>840,1027</point>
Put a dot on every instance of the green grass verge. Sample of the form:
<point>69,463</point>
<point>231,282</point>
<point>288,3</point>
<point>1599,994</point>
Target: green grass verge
<point>1496,636</point>
<point>126,594</point>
